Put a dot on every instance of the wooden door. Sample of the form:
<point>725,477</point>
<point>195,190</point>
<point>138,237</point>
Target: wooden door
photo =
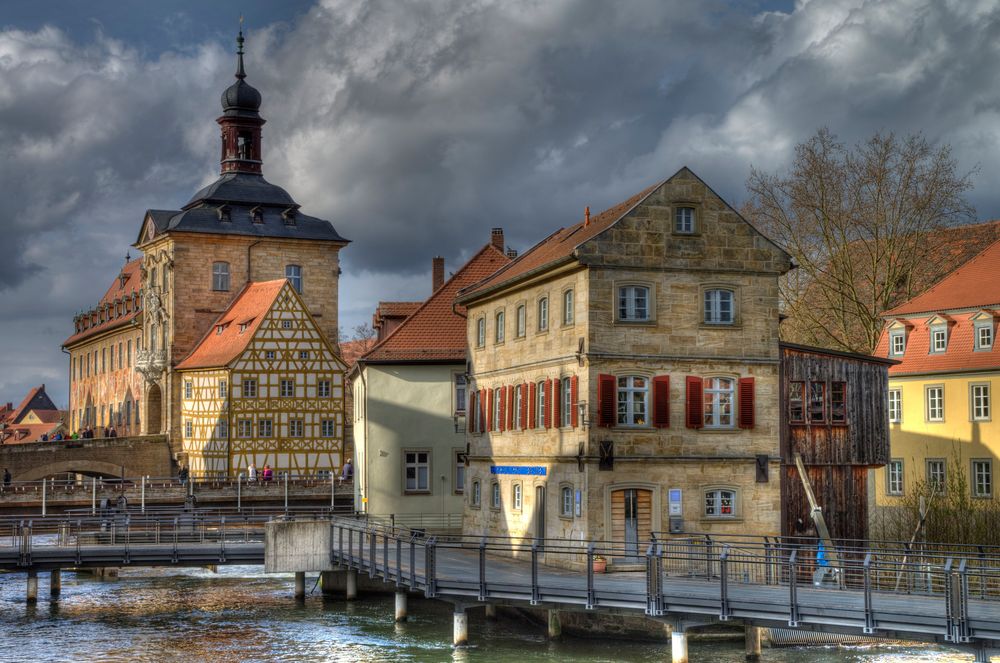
<point>631,522</point>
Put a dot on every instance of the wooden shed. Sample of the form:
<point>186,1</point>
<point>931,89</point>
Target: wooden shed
<point>834,414</point>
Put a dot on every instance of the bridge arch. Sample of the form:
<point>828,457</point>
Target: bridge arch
<point>93,468</point>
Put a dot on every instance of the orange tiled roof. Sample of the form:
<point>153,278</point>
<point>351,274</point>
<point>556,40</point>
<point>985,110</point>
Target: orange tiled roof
<point>351,351</point>
<point>249,307</point>
<point>396,309</point>
<point>436,331</point>
<point>24,433</point>
<point>558,246</point>
<point>974,284</point>
<point>49,416</point>
<point>960,355</point>
<point>121,288</point>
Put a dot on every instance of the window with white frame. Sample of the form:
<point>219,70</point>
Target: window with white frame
<point>936,477</point>
<point>323,388</point>
<point>223,389</point>
<point>459,478</point>
<point>720,503</point>
<point>894,477</point>
<point>982,477</point>
<point>566,502</point>
<point>895,405</point>
<point>684,220</point>
<point>897,342</point>
<point>984,336</point>
<point>518,401</point>
<point>543,314</point>
<point>417,471</point>
<point>939,338</point>
<point>568,311</point>
<point>188,428</point>
<point>295,428</point>
<point>287,388</point>
<point>719,307</point>
<point>188,389</point>
<point>495,495</point>
<point>633,303</point>
<point>328,427</point>
<point>980,406</point>
<point>498,332</point>
<point>475,499</point>
<point>633,400</point>
<point>540,405</point>
<point>265,427</point>
<point>935,403</point>
<point>220,276</point>
<point>249,388</point>
<point>461,391</point>
<point>222,429</point>
<point>522,320</point>
<point>516,496</point>
<point>244,427</point>
<point>497,400</point>
<point>566,402</point>
<point>294,275</point>
<point>720,395</point>
<point>480,332</point>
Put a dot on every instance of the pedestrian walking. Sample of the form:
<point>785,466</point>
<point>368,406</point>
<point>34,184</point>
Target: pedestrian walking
<point>183,475</point>
<point>347,472</point>
<point>267,473</point>
<point>252,472</point>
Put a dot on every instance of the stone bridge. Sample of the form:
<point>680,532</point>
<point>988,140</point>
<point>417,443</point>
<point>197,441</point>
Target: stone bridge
<point>147,455</point>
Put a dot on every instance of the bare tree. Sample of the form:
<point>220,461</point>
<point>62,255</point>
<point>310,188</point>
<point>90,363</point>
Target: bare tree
<point>365,334</point>
<point>859,223</point>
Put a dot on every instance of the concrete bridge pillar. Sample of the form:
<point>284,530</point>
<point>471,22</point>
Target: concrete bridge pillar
<point>461,630</point>
<point>678,645</point>
<point>55,583</point>
<point>400,606</point>
<point>753,642</point>
<point>32,587</point>
<point>300,585</point>
<point>555,625</point>
<point>491,611</point>
<point>352,585</point>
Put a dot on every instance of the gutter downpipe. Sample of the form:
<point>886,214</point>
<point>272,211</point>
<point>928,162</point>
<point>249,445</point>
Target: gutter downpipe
<point>250,246</point>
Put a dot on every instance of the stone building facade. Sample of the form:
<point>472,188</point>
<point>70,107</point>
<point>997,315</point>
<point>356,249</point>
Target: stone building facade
<point>616,372</point>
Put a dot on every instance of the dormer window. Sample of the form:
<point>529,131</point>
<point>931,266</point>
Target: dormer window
<point>984,336</point>
<point>939,338</point>
<point>257,214</point>
<point>224,213</point>
<point>288,216</point>
<point>897,342</point>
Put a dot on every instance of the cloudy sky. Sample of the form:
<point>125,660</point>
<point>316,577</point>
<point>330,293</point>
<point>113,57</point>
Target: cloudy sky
<point>415,127</point>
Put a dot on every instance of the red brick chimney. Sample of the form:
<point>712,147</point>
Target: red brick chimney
<point>437,273</point>
<point>496,239</point>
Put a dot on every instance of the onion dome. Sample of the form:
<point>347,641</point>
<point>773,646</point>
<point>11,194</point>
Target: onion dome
<point>240,98</point>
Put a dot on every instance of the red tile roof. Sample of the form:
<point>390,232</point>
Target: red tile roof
<point>960,355</point>
<point>397,309</point>
<point>249,307</point>
<point>436,332</point>
<point>558,246</point>
<point>975,284</point>
<point>24,433</point>
<point>121,288</point>
<point>351,351</point>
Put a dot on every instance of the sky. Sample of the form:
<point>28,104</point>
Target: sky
<point>416,127</point>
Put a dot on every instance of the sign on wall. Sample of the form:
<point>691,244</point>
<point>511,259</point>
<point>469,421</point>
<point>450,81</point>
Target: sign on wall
<point>532,470</point>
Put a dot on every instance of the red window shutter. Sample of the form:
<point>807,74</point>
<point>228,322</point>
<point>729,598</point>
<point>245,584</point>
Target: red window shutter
<point>532,405</point>
<point>524,404</point>
<point>547,415</point>
<point>502,412</point>
<point>489,410</point>
<point>482,410</point>
<point>661,401</point>
<point>695,406</point>
<point>746,402</point>
<point>574,400</point>
<point>556,403</point>
<point>606,401</point>
<point>510,408</point>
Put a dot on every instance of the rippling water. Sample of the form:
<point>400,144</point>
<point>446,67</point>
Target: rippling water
<point>240,614</point>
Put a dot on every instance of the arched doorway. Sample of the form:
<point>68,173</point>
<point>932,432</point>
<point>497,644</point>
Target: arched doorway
<point>153,421</point>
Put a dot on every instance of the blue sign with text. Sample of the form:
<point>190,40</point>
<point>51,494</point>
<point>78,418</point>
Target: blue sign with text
<point>532,470</point>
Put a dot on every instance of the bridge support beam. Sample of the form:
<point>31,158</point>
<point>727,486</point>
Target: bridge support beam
<point>678,645</point>
<point>461,630</point>
<point>55,583</point>
<point>752,642</point>
<point>981,653</point>
<point>491,611</point>
<point>352,584</point>
<point>327,582</point>
<point>32,594</point>
<point>400,607</point>
<point>555,625</point>
<point>300,585</point>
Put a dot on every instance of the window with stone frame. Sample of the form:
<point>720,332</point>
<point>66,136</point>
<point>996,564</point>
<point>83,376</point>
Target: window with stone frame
<point>566,402</point>
<point>720,307</point>
<point>475,499</point>
<point>461,392</point>
<point>495,495</point>
<point>518,400</point>
<point>684,219</point>
<point>979,395</point>
<point>540,404</point>
<point>522,320</point>
<point>220,276</point>
<point>894,477</point>
<point>720,503</point>
<point>569,312</point>
<point>294,275</point>
<point>982,477</point>
<point>895,406</point>
<point>566,501</point>
<point>516,496</point>
<point>633,303</point>
<point>497,400</point>
<point>500,327</point>
<point>719,400</point>
<point>633,400</point>
<point>937,474</point>
<point>480,332</point>
<point>543,314</point>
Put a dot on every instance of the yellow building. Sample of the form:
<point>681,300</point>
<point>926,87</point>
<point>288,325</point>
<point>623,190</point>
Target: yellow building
<point>264,386</point>
<point>940,394</point>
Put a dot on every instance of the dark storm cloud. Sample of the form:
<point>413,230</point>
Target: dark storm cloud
<point>415,127</point>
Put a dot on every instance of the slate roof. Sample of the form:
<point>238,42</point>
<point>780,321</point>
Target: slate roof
<point>36,399</point>
<point>119,289</point>
<point>248,307</point>
<point>436,331</point>
<point>557,247</point>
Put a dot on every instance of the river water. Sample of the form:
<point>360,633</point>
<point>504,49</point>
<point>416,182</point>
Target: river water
<point>239,614</point>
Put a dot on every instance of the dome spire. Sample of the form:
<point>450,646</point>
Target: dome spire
<point>241,121</point>
<point>240,71</point>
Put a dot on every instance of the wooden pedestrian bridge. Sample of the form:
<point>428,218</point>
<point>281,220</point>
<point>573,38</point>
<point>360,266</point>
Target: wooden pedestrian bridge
<point>946,594</point>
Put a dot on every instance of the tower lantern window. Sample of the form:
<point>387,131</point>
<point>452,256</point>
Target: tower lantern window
<point>244,145</point>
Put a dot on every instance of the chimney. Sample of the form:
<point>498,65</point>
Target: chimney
<point>437,273</point>
<point>496,239</point>
<point>511,253</point>
<point>586,216</point>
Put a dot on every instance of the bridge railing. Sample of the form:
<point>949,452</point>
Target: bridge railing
<point>86,484</point>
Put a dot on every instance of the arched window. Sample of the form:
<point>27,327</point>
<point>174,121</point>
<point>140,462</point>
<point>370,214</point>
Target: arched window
<point>543,314</point>
<point>633,400</point>
<point>566,501</point>
<point>294,275</point>
<point>476,496</point>
<point>720,503</point>
<point>480,332</point>
<point>495,495</point>
<point>220,276</point>
<point>522,320</point>
<point>719,399</point>
<point>568,312</point>
<point>499,330</point>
